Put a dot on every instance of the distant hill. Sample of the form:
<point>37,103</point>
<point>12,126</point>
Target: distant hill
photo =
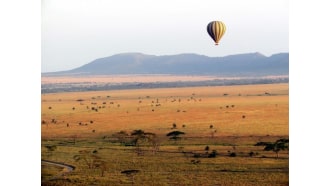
<point>254,64</point>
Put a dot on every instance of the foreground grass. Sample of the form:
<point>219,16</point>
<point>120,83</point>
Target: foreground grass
<point>170,166</point>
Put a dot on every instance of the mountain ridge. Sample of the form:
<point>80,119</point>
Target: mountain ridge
<point>244,64</point>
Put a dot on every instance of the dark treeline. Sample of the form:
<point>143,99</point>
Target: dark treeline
<point>77,87</point>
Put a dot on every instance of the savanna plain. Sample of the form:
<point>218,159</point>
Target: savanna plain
<point>217,135</point>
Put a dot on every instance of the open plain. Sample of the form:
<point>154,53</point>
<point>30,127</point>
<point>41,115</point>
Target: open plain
<point>122,137</point>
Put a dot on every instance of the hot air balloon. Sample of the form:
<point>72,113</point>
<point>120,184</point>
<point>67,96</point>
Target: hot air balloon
<point>216,30</point>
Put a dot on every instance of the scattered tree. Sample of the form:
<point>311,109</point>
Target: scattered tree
<point>213,154</point>
<point>277,146</point>
<point>175,135</point>
<point>50,149</point>
<point>102,165</point>
<point>122,137</point>
<point>130,174</point>
<point>232,154</point>
<point>174,126</point>
<point>195,161</point>
<point>91,160</point>
<point>212,131</point>
<point>74,137</point>
<point>140,137</point>
<point>251,154</point>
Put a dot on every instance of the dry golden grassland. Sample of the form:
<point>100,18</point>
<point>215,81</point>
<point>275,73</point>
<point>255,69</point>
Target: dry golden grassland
<point>240,115</point>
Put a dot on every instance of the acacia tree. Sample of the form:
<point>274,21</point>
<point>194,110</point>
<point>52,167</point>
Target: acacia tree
<point>88,158</point>
<point>91,160</point>
<point>175,135</point>
<point>50,149</point>
<point>139,137</point>
<point>122,136</point>
<point>277,146</point>
<point>130,173</point>
<point>154,142</point>
<point>174,126</point>
<point>147,138</point>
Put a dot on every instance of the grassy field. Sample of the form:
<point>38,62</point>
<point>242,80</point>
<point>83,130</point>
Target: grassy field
<point>227,119</point>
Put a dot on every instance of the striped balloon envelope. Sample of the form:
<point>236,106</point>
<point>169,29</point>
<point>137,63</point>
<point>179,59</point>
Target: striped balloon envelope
<point>216,30</point>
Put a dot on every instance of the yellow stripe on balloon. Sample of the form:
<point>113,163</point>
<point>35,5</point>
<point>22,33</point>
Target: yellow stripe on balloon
<point>216,30</point>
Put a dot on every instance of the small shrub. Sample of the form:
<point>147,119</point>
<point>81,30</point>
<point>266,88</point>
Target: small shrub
<point>251,154</point>
<point>233,154</point>
<point>213,154</point>
<point>51,147</point>
<point>195,161</point>
<point>174,125</point>
<point>197,155</point>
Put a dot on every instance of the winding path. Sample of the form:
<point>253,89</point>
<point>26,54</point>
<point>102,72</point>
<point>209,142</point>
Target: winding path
<point>66,167</point>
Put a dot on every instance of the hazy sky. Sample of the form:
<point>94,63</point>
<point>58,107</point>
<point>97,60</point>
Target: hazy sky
<point>75,32</point>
